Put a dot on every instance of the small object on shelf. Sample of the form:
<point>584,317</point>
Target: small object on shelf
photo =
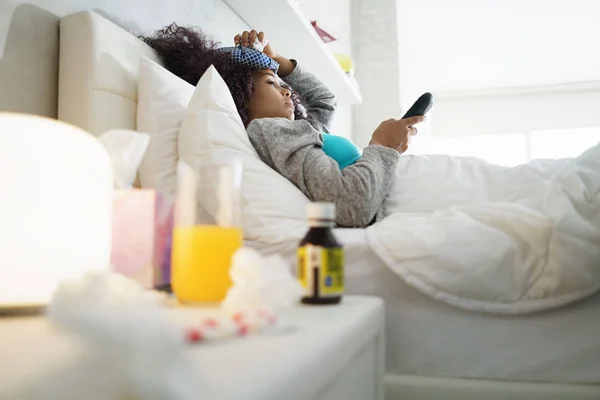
<point>325,36</point>
<point>321,258</point>
<point>346,63</point>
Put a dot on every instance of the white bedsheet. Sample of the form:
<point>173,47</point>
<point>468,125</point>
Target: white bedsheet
<point>428,338</point>
<point>495,239</point>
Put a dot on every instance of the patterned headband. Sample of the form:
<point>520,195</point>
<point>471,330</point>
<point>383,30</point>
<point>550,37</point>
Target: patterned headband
<point>250,58</point>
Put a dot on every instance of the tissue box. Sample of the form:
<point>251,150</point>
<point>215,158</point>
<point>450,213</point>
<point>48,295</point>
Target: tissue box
<point>141,242</point>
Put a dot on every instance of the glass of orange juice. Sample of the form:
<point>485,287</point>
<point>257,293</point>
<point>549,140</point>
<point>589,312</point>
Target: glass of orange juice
<point>207,230</point>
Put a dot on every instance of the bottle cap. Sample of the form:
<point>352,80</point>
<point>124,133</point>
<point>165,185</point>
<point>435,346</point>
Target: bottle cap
<point>321,211</point>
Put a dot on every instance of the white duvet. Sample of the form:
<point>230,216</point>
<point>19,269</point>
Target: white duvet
<point>494,239</point>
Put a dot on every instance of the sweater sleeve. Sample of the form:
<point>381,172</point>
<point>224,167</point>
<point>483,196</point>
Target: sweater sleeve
<point>294,149</point>
<point>320,100</point>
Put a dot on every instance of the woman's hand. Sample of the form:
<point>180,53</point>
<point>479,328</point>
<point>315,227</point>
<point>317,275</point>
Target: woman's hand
<point>247,39</point>
<point>396,133</point>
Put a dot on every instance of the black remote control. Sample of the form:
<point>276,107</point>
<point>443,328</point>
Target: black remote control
<point>421,106</point>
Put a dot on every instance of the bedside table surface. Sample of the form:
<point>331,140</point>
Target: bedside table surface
<point>298,364</point>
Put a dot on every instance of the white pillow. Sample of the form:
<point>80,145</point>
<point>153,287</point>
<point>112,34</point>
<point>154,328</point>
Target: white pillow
<point>162,101</point>
<point>273,209</point>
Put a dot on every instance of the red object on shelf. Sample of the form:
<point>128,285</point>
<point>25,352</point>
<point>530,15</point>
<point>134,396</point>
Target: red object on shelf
<point>326,37</point>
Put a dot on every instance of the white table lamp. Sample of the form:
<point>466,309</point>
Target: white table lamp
<point>55,207</point>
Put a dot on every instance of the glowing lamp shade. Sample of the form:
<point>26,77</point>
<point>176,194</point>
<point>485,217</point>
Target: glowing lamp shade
<point>55,207</point>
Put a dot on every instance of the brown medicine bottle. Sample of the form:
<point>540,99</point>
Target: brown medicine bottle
<point>321,257</point>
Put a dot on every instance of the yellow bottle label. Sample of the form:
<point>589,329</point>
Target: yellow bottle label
<point>321,271</point>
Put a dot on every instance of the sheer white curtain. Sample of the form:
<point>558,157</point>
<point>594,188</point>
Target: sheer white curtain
<point>512,126</point>
<point>513,80</point>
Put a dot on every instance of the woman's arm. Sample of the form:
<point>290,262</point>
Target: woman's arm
<point>293,148</point>
<point>286,66</point>
<point>320,100</point>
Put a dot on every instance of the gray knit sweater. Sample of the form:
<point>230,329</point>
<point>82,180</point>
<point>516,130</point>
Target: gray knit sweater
<point>294,149</point>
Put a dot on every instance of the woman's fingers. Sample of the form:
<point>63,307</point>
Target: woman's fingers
<point>252,37</point>
<point>404,147</point>
<point>261,37</point>
<point>414,120</point>
<point>247,38</point>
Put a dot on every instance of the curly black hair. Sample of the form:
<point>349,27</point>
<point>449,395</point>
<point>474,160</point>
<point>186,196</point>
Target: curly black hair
<point>188,52</point>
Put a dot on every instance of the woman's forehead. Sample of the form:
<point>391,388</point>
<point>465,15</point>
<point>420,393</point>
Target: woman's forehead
<point>267,73</point>
<point>263,72</point>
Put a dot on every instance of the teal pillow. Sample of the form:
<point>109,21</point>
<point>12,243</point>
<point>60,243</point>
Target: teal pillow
<point>342,150</point>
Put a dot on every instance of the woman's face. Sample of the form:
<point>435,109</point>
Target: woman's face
<point>271,97</point>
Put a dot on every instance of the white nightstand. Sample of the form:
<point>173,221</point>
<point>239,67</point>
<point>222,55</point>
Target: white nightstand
<point>337,352</point>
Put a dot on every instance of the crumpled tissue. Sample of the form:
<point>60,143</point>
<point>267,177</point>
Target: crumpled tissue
<point>260,283</point>
<point>133,349</point>
<point>257,45</point>
<point>126,149</point>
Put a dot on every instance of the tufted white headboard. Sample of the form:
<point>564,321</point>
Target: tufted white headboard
<point>98,73</point>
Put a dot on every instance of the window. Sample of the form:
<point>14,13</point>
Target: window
<point>515,149</point>
<point>507,94</point>
<point>561,143</point>
<point>506,150</point>
<point>552,121</point>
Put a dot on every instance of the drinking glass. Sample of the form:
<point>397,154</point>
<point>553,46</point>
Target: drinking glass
<point>207,230</point>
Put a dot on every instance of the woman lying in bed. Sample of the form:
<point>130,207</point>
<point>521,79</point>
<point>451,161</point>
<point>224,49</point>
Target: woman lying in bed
<point>289,135</point>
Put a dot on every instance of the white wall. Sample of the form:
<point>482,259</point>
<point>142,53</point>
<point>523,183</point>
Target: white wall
<point>376,53</point>
<point>334,17</point>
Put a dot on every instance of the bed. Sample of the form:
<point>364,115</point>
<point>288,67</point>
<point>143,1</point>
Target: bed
<point>433,350</point>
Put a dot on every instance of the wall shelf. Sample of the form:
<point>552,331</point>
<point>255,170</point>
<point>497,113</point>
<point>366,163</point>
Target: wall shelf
<point>292,34</point>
